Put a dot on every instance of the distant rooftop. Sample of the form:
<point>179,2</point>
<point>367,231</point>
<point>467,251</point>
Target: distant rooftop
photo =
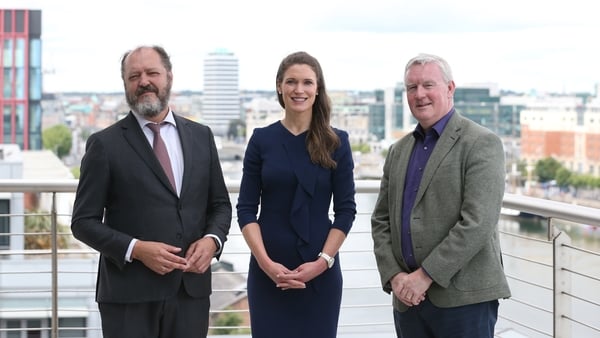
<point>43,164</point>
<point>10,153</point>
<point>221,51</point>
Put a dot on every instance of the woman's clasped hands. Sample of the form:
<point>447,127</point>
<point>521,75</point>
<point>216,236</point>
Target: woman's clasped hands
<point>297,278</point>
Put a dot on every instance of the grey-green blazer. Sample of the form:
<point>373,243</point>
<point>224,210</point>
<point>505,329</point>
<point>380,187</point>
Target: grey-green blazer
<point>454,218</point>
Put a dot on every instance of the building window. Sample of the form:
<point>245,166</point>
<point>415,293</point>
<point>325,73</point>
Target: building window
<point>31,328</point>
<point>71,327</point>
<point>20,60</point>
<point>7,21</point>
<point>35,118</point>
<point>8,82</point>
<point>20,21</point>
<point>4,224</point>
<point>35,83</point>
<point>19,118</point>
<point>20,83</point>
<point>35,23</point>
<point>38,328</point>
<point>35,53</point>
<point>34,328</point>
<point>7,122</point>
<point>8,54</point>
<point>13,324</point>
<point>35,69</point>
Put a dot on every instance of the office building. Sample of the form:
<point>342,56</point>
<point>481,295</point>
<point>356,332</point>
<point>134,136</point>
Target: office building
<point>221,96</point>
<point>387,120</point>
<point>21,77</point>
<point>483,104</point>
<point>565,128</point>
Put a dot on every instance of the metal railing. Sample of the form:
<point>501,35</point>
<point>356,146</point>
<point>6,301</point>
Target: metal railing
<point>554,272</point>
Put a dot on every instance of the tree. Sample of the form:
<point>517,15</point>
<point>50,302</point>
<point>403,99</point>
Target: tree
<point>596,182</point>
<point>59,139</point>
<point>546,169</point>
<point>563,177</point>
<point>237,128</point>
<point>578,181</point>
<point>228,321</point>
<point>37,229</point>
<point>76,171</point>
<point>363,148</point>
<point>522,167</point>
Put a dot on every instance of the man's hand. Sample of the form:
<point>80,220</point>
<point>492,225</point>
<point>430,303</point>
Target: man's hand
<point>159,257</point>
<point>200,255</point>
<point>410,288</point>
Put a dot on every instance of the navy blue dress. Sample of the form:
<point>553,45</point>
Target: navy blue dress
<point>294,196</point>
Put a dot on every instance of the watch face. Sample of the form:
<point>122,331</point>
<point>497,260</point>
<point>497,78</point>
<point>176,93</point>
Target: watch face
<point>328,259</point>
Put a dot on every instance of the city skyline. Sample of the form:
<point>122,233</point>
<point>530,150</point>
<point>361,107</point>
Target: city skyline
<point>361,45</point>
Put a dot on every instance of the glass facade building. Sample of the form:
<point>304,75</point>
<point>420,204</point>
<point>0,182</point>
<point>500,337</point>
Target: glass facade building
<point>21,77</point>
<point>485,108</point>
<point>386,114</point>
<point>377,115</point>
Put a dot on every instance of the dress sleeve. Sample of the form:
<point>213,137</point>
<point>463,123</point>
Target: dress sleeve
<point>250,187</point>
<point>344,205</point>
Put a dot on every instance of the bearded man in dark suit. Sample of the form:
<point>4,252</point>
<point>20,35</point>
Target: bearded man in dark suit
<point>157,227</point>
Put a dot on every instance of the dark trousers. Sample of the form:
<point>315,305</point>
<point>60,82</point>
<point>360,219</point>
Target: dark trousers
<point>429,321</point>
<point>180,316</point>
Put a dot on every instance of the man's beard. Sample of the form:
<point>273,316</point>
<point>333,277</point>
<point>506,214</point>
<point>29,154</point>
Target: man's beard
<point>149,106</point>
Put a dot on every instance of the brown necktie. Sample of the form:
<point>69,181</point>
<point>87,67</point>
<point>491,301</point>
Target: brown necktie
<point>160,150</point>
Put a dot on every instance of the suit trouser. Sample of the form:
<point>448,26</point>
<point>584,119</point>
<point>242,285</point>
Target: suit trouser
<point>180,316</point>
<point>429,321</point>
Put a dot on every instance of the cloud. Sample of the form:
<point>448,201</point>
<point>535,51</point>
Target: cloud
<point>429,16</point>
<point>362,45</point>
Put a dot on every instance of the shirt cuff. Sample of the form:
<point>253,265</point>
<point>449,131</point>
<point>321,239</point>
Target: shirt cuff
<point>128,258</point>
<point>217,242</point>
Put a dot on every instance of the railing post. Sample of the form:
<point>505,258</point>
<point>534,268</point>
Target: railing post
<point>54,259</point>
<point>562,285</point>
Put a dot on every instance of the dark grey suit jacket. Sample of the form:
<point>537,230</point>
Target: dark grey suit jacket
<point>454,218</point>
<point>123,193</point>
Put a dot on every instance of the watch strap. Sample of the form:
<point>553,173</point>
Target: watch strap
<point>330,260</point>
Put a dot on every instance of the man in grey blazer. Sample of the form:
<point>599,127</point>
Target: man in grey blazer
<point>157,227</point>
<point>434,225</point>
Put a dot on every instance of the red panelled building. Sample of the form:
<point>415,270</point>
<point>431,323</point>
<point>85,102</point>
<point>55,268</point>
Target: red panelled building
<point>21,77</point>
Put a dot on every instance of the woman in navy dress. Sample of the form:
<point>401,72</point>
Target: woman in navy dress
<point>293,169</point>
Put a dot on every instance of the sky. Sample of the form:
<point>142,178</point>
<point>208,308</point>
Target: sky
<point>520,45</point>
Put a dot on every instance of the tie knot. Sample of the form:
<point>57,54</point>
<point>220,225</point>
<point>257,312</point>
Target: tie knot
<point>155,127</point>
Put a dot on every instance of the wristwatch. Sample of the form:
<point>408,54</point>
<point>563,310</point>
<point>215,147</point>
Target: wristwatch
<point>217,244</point>
<point>330,260</point>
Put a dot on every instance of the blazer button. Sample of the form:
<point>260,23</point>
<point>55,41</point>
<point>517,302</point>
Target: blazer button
<point>178,236</point>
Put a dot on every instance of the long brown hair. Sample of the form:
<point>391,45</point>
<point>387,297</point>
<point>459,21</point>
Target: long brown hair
<point>321,140</point>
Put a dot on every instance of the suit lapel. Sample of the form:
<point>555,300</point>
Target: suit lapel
<point>134,135</point>
<point>444,145</point>
<point>185,136</point>
<point>398,172</point>
<point>405,149</point>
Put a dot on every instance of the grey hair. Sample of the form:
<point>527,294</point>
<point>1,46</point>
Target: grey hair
<point>423,59</point>
<point>162,53</point>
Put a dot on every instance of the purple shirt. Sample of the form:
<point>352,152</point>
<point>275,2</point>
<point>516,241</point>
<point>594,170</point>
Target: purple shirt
<point>424,144</point>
